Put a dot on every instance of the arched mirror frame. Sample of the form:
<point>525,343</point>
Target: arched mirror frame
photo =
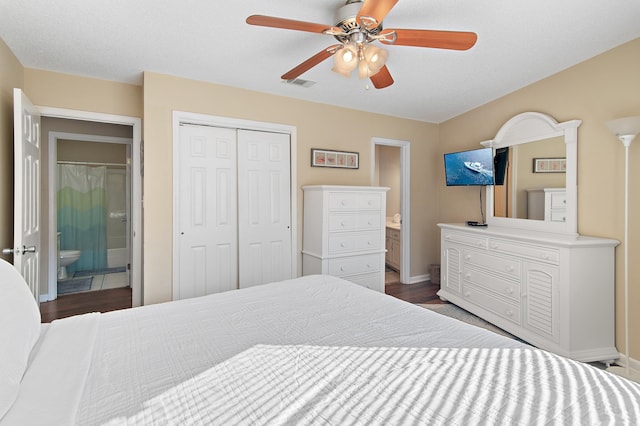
<point>530,127</point>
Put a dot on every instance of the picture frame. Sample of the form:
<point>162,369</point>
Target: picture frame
<point>334,159</point>
<point>550,165</point>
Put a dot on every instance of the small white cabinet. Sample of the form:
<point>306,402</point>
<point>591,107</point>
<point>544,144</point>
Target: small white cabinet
<point>553,291</point>
<point>549,204</point>
<point>392,258</point>
<point>344,233</point>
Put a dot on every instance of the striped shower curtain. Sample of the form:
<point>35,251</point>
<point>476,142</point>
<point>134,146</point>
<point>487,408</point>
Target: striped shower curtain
<point>82,214</point>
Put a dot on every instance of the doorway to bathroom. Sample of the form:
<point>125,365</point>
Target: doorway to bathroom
<point>390,168</point>
<point>93,204</point>
<point>91,200</point>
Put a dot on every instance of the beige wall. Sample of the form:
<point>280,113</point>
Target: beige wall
<point>51,89</point>
<point>595,91</point>
<point>318,126</point>
<point>11,75</point>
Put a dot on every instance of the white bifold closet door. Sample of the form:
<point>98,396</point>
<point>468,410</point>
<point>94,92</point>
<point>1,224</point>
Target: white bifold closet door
<point>234,209</point>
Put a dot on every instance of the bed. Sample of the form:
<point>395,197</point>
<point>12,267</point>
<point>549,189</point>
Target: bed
<point>315,350</point>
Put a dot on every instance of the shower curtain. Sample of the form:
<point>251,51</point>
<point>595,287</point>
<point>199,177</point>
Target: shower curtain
<point>82,214</point>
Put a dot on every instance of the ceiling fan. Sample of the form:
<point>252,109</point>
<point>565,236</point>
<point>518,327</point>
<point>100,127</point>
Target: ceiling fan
<point>358,26</point>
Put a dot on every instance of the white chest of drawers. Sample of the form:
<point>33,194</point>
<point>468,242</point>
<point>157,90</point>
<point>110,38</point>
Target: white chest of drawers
<point>548,204</point>
<point>555,292</point>
<point>344,233</point>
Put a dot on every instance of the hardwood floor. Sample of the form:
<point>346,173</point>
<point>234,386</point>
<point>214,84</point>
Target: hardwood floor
<point>120,298</point>
<point>423,292</point>
<point>81,303</point>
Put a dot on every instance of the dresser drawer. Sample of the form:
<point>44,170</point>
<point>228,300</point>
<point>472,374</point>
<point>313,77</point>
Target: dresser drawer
<point>369,221</point>
<point>479,297</point>
<point>510,267</point>
<point>368,201</point>
<point>343,222</point>
<point>374,281</point>
<point>544,254</point>
<point>501,286</point>
<point>340,243</point>
<point>354,201</point>
<point>355,265</point>
<point>558,200</point>
<point>559,215</point>
<point>470,240</point>
<point>342,201</point>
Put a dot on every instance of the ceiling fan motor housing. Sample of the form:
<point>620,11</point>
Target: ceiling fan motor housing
<point>346,21</point>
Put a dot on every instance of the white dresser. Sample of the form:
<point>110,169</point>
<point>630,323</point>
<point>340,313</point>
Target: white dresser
<point>344,233</point>
<point>553,291</point>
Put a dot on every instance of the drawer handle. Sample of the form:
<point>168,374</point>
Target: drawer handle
<point>467,257</point>
<point>480,244</point>
<point>467,275</point>
<point>509,313</point>
<point>342,223</point>
<point>343,202</point>
<point>370,223</point>
<point>447,237</point>
<point>510,268</point>
<point>545,256</point>
<point>369,243</point>
<point>342,269</point>
<point>368,265</point>
<point>342,245</point>
<point>467,294</point>
<point>370,203</point>
<point>495,246</point>
<point>509,290</point>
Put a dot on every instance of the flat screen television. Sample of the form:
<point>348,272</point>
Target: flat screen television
<point>469,168</point>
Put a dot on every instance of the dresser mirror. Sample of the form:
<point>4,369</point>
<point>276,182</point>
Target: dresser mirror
<point>536,161</point>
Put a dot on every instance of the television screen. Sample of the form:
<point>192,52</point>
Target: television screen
<point>474,167</point>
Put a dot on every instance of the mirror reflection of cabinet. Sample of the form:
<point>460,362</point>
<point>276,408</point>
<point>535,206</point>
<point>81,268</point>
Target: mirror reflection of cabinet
<point>527,137</point>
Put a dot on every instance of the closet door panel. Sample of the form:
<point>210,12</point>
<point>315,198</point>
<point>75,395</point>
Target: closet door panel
<point>264,229</point>
<point>207,211</point>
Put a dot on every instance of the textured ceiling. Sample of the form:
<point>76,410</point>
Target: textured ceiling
<point>519,42</point>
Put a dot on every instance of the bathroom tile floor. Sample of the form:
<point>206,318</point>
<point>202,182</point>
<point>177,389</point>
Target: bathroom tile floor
<point>108,281</point>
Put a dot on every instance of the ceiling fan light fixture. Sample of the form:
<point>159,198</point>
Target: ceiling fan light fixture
<point>376,58</point>
<point>345,60</point>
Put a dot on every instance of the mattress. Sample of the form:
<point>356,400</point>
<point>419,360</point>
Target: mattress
<point>214,360</point>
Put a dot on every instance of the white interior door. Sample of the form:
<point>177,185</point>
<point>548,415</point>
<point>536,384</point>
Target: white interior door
<point>264,207</point>
<point>26,240</point>
<point>207,210</point>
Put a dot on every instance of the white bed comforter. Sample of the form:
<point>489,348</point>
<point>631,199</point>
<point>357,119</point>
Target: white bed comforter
<point>289,353</point>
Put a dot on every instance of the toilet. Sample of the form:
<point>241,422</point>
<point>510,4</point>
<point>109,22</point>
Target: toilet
<point>66,258</point>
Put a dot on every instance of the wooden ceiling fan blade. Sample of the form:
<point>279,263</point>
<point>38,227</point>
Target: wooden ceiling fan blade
<point>311,62</point>
<point>382,78</point>
<point>373,12</point>
<point>455,40</point>
<point>287,24</point>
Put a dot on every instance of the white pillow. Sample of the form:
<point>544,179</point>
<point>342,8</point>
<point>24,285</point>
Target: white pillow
<point>19,331</point>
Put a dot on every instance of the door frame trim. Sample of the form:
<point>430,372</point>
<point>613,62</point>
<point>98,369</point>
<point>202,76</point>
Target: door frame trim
<point>137,284</point>
<point>183,117</point>
<point>405,200</point>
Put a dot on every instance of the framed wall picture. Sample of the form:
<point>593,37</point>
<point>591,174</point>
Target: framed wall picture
<point>549,165</point>
<point>335,159</point>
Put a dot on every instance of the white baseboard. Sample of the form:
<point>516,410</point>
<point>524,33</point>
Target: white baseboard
<point>419,279</point>
<point>634,365</point>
